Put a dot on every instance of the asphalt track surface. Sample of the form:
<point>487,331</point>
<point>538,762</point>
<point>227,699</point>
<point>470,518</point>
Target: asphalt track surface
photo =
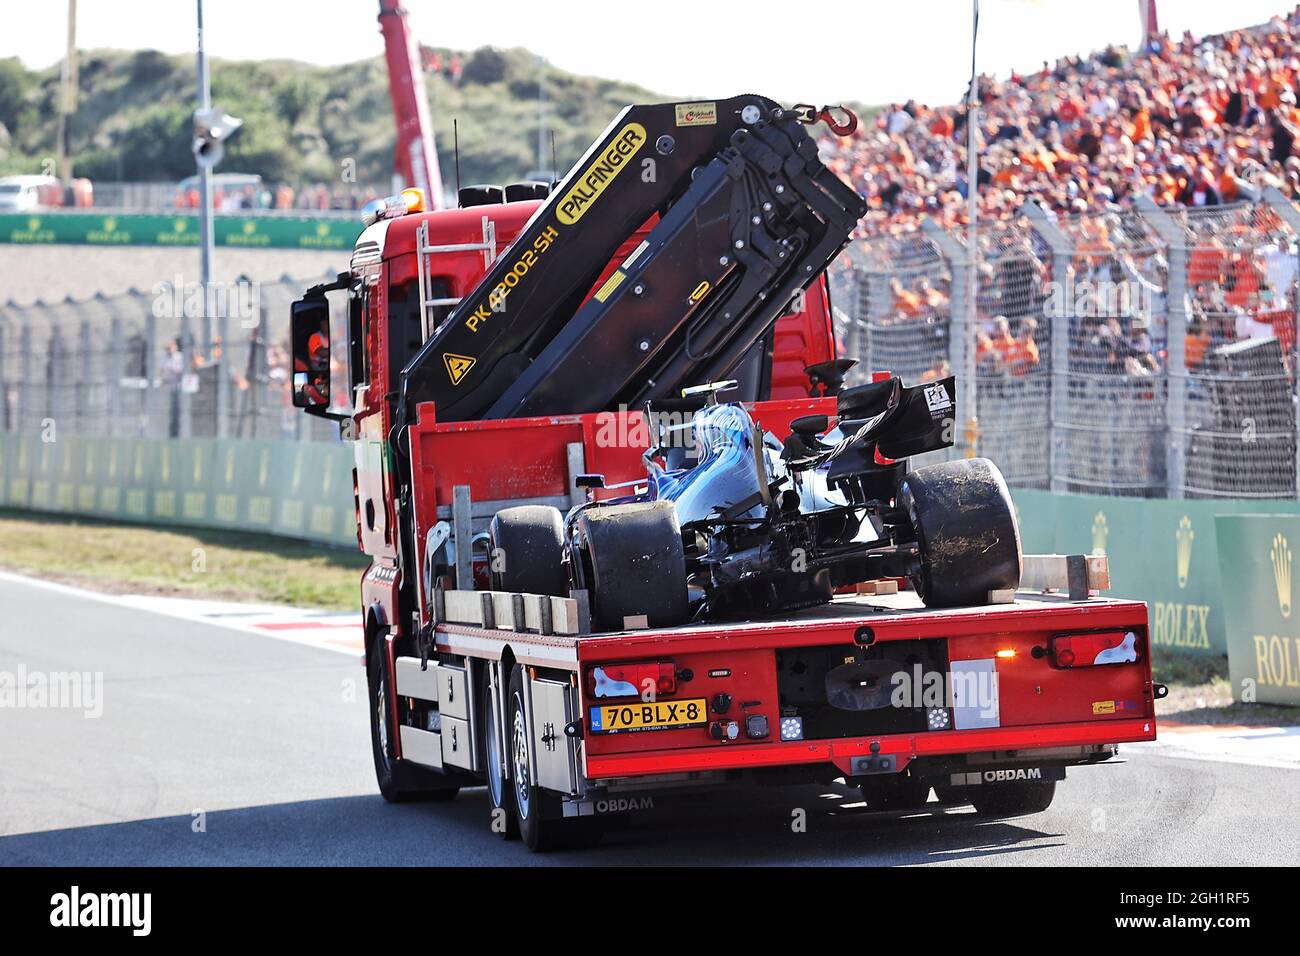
<point>217,746</point>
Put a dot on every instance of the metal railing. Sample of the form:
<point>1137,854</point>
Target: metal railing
<point>1147,352</point>
<point>147,364</point>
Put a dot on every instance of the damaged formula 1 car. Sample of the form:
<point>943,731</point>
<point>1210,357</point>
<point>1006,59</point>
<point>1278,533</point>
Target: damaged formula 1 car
<point>734,523</point>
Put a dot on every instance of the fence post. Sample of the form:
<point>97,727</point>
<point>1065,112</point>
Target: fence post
<point>6,323</point>
<point>961,331</point>
<point>1290,214</point>
<point>149,395</point>
<point>84,390</point>
<point>116,372</point>
<point>1062,255</point>
<point>23,396</point>
<point>856,342</point>
<point>1174,237</point>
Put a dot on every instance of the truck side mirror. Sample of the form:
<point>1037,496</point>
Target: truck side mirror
<point>309,324</point>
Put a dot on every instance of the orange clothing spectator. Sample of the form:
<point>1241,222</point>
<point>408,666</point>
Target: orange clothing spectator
<point>1195,344</point>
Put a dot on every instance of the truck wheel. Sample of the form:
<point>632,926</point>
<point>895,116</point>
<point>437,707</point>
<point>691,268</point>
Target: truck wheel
<point>501,794</point>
<point>966,531</point>
<point>541,823</point>
<point>1013,799</point>
<point>527,550</point>
<point>399,781</point>
<point>634,564</point>
<point>897,792</point>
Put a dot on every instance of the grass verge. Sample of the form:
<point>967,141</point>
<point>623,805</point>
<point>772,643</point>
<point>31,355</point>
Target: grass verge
<point>179,562</point>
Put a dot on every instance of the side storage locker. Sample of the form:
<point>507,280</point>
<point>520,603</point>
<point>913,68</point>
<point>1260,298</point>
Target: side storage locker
<point>557,767</point>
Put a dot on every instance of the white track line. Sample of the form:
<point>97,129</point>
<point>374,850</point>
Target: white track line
<point>341,633</point>
<point>1257,746</point>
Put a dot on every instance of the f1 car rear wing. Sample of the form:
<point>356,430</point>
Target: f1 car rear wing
<point>748,217</point>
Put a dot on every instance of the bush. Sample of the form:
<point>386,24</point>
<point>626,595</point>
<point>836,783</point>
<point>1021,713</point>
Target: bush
<point>486,65</point>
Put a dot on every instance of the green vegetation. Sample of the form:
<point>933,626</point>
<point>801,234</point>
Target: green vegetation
<point>179,562</point>
<point>302,122</point>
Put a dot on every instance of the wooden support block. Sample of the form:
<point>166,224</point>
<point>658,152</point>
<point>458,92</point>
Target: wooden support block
<point>882,586</point>
<point>636,622</point>
<point>1002,596</point>
<point>1075,573</point>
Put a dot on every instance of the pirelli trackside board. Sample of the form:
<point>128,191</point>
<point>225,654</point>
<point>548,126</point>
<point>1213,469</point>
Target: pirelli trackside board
<point>643,160</point>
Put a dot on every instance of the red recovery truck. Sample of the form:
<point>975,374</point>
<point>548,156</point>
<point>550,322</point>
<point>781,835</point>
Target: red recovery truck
<point>502,360</point>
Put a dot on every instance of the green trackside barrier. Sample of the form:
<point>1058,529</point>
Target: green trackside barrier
<point>1258,570</point>
<point>181,229</point>
<point>1164,552</point>
<point>295,489</point>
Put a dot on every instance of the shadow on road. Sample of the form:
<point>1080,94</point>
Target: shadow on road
<point>750,826</point>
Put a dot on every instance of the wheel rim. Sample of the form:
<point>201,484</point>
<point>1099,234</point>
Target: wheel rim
<point>381,719</point>
<point>496,788</point>
<point>519,749</point>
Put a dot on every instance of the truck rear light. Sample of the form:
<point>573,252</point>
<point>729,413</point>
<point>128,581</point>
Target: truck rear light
<point>646,680</point>
<point>936,718</point>
<point>1087,650</point>
<point>792,728</point>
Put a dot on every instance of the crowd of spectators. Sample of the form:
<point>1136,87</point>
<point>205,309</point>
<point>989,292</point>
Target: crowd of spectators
<point>1192,122</point>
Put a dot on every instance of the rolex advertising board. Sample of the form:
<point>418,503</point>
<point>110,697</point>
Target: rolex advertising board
<point>1258,570</point>
<point>1164,552</point>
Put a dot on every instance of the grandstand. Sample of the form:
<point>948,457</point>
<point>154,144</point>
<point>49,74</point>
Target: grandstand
<point>1136,247</point>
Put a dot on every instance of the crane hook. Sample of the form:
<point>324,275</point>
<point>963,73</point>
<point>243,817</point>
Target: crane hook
<point>809,114</point>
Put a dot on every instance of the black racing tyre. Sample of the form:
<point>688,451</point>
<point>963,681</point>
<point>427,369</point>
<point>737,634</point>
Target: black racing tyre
<point>1013,799</point>
<point>634,564</point>
<point>966,531</point>
<point>399,781</point>
<point>542,824</point>
<point>897,792</point>
<point>496,749</point>
<point>526,551</point>
<point>482,194</point>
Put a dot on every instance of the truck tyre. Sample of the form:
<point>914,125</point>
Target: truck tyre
<point>399,781</point>
<point>1013,799</point>
<point>896,792</point>
<point>634,564</point>
<point>496,748</point>
<point>527,551</point>
<point>966,531</point>
<point>541,822</point>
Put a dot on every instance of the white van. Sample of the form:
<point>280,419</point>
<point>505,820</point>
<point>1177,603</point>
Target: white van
<point>27,193</point>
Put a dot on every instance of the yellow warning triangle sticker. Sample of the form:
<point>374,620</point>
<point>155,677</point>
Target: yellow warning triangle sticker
<point>457,366</point>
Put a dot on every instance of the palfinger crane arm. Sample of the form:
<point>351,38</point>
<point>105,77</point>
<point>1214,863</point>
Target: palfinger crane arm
<point>748,218</point>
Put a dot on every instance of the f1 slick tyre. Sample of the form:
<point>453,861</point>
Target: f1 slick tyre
<point>540,817</point>
<point>1013,799</point>
<point>966,531</point>
<point>634,564</point>
<point>399,781</point>
<point>527,550</point>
